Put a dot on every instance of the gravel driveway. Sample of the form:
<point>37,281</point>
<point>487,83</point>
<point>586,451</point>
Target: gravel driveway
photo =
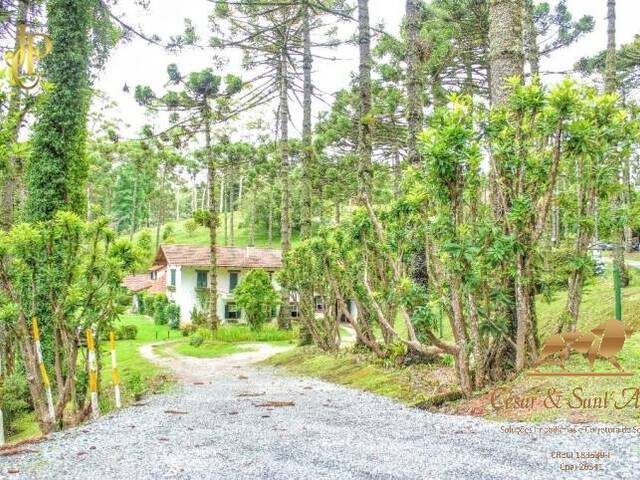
<point>223,422</point>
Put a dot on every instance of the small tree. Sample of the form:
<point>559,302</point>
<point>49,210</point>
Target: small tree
<point>257,297</point>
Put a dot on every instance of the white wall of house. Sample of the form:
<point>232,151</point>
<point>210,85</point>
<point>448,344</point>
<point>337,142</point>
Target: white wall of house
<point>185,294</point>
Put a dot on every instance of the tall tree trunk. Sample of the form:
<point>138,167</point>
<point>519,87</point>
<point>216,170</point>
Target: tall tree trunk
<point>213,320</point>
<point>611,86</point>
<point>506,59</point>
<point>397,171</point>
<point>226,211</point>
<point>232,207</point>
<point>414,87</point>
<point>531,40</point>
<point>194,193</point>
<point>270,216</point>
<point>506,56</point>
<point>134,204</point>
<point>161,206</point>
<point>610,81</point>
<point>364,120</point>
<point>307,145</point>
<point>284,318</point>
<point>177,204</point>
<point>587,205</point>
<point>252,221</point>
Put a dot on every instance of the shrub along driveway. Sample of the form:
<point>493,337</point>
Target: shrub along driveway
<point>228,419</point>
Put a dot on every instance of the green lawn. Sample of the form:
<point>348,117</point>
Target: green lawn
<point>242,333</point>
<point>229,339</point>
<point>138,375</point>
<point>420,385</point>
<point>206,350</point>
<point>241,235</point>
<point>597,304</point>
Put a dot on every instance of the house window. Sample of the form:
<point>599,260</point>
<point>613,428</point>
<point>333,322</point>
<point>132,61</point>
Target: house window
<point>201,278</point>
<point>233,280</point>
<point>319,302</point>
<point>153,275</point>
<point>173,277</point>
<point>295,312</point>
<point>231,311</point>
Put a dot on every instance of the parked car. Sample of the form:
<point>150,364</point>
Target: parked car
<point>603,246</point>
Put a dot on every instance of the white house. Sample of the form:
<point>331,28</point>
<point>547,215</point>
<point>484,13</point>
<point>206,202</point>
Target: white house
<point>182,273</point>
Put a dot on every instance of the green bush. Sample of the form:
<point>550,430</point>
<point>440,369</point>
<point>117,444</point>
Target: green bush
<point>135,385</point>
<point>257,298</point>
<point>190,226</point>
<point>145,243</point>
<point>196,340</point>
<point>141,303</point>
<point>204,333</point>
<point>188,329</point>
<point>243,333</point>
<point>147,304</point>
<point>172,314</point>
<point>198,317</point>
<point>167,232</point>
<point>127,332</point>
<point>14,393</point>
<point>124,298</point>
<point>159,314</point>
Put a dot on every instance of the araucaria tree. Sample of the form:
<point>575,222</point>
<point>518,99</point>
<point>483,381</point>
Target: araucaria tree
<point>196,107</point>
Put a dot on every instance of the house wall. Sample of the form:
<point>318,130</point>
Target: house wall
<point>185,289</point>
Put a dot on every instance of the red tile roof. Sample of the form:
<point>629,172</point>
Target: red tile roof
<point>136,283</point>
<point>159,285</point>
<point>235,257</point>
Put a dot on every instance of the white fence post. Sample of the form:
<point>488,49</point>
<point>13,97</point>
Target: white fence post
<point>93,374</point>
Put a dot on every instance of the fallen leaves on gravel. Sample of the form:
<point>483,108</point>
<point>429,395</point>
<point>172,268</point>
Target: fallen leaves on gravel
<point>275,404</point>
<point>176,412</point>
<point>15,451</point>
<point>251,394</point>
<point>243,377</point>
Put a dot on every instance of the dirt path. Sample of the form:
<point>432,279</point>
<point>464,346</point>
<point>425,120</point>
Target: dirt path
<point>192,369</point>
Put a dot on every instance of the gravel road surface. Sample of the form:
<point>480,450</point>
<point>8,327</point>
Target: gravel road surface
<point>223,421</point>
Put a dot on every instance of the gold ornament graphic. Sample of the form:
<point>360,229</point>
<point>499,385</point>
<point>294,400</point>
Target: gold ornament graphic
<point>604,341</point>
<point>22,62</point>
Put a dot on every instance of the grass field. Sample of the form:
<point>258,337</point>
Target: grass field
<point>138,375</point>
<point>200,236</point>
<point>229,339</point>
<point>206,350</point>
